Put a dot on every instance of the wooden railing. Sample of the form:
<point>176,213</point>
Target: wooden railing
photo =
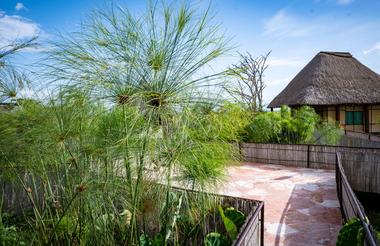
<point>252,233</point>
<point>362,135</point>
<point>350,205</point>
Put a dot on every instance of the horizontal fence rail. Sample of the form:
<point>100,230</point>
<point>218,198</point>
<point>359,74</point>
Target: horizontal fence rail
<point>252,233</point>
<point>362,135</point>
<point>363,161</point>
<point>356,139</point>
<point>350,205</point>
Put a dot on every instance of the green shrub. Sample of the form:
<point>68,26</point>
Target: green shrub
<point>290,127</point>
<point>264,128</point>
<point>233,220</point>
<point>226,122</point>
<point>9,235</point>
<point>351,234</point>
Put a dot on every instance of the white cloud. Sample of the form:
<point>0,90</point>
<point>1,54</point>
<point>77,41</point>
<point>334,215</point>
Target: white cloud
<point>14,27</point>
<point>283,25</point>
<point>344,2</point>
<point>19,6</point>
<point>373,49</point>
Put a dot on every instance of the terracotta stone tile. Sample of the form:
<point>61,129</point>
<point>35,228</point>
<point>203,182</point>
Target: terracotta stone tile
<point>301,206</point>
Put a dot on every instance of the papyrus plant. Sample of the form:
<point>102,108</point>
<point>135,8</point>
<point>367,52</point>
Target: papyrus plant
<point>144,72</point>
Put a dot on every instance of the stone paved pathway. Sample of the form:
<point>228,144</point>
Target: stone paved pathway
<point>301,206</point>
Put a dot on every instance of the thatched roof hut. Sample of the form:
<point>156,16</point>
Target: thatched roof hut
<point>331,78</point>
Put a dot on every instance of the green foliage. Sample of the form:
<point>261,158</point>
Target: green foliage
<point>237,217</point>
<point>120,121</point>
<point>158,240</point>
<point>233,220</point>
<point>16,46</point>
<point>229,121</point>
<point>264,128</point>
<point>216,239</point>
<point>222,123</point>
<point>11,80</point>
<point>291,126</point>
<point>9,235</point>
<point>329,133</point>
<point>351,234</point>
<point>230,226</point>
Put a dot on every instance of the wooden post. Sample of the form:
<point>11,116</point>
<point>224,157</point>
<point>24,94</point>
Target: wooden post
<point>262,226</point>
<point>337,114</point>
<point>366,119</point>
<point>308,156</point>
<point>371,129</point>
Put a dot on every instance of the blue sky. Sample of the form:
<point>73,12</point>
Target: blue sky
<point>293,30</point>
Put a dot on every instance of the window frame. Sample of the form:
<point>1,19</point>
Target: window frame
<point>354,118</point>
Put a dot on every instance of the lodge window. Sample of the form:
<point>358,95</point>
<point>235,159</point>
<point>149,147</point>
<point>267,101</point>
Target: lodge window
<point>354,117</point>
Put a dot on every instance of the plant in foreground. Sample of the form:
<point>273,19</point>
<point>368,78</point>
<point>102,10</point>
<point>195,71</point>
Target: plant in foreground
<point>233,220</point>
<point>351,233</point>
<point>120,123</point>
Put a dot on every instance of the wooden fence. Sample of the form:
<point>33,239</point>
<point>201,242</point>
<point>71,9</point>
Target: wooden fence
<point>350,205</point>
<point>362,170</point>
<point>17,193</point>
<point>363,135</point>
<point>362,164</point>
<point>354,139</point>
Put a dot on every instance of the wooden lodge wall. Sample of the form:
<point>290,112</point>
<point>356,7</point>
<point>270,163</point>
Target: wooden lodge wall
<point>371,116</point>
<point>362,165</point>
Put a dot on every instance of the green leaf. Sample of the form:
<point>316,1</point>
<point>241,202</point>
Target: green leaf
<point>235,216</point>
<point>144,240</point>
<point>351,234</point>
<point>158,240</point>
<point>66,225</point>
<point>228,224</point>
<point>216,239</point>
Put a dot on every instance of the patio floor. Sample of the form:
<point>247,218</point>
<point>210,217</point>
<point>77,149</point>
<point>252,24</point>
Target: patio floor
<point>301,205</point>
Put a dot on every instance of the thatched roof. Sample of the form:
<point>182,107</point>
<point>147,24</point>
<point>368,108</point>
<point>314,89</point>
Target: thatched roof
<point>331,78</point>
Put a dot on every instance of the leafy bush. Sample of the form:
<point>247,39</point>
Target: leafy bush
<point>230,120</point>
<point>224,122</point>
<point>329,133</point>
<point>264,128</point>
<point>351,234</point>
<point>290,127</point>
<point>233,220</point>
<point>9,235</point>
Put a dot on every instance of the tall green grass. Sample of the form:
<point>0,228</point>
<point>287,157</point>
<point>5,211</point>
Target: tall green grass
<point>121,120</point>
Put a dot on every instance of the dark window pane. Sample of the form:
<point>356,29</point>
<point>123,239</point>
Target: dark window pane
<point>349,118</point>
<point>358,118</point>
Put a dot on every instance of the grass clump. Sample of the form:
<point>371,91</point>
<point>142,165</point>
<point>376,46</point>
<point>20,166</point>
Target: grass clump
<point>97,160</point>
